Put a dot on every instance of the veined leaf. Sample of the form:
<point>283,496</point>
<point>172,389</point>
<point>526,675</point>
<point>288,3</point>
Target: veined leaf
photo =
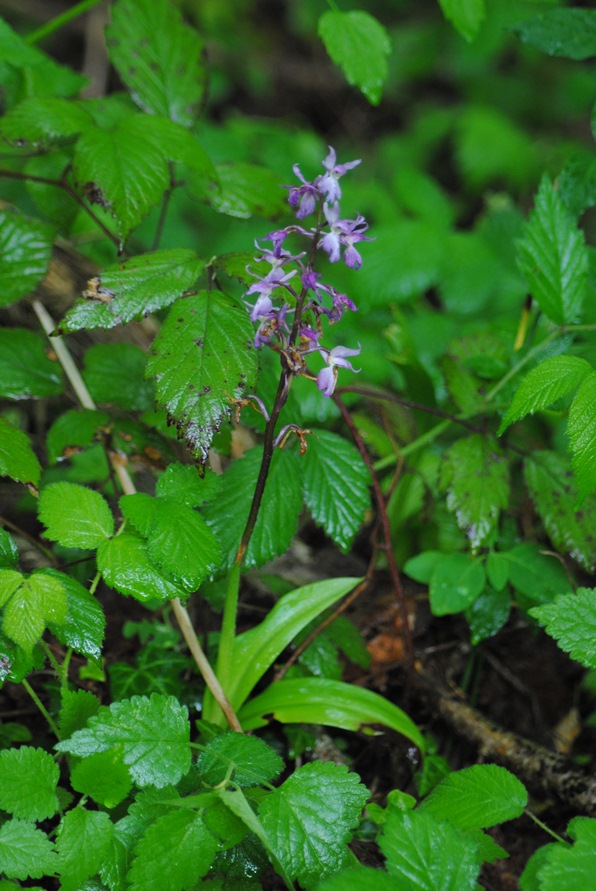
<point>244,760</point>
<point>477,797</point>
<point>553,259</point>
<point>133,289</point>
<point>465,15</point>
<point>25,852</point>
<point>25,254</point>
<point>535,575</point>
<point>549,381</point>
<point>577,183</point>
<point>476,477</point>
<point>74,429</point>
<point>581,429</point>
<point>83,625</point>
<point>177,845</point>
<point>26,372</point>
<point>561,32</point>
<point>202,360</point>
<point>76,709</point>
<point>359,44</point>
<point>114,373</point>
<point>358,878</point>
<point>158,57</point>
<point>75,516</point>
<point>28,780</point>
<point>183,483</point>
<point>43,121</point>
<point>39,600</point>
<point>243,190</point>
<point>83,841</point>
<point>455,583</point>
<point>103,777</point>
<point>571,620</point>
<point>571,866</point>
<point>17,458</point>
<point>125,565</point>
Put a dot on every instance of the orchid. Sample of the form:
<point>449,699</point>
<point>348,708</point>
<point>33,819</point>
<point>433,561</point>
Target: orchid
<point>329,181</point>
<point>343,233</point>
<point>335,358</point>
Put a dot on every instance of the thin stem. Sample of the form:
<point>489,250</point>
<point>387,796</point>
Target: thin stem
<point>163,211</point>
<point>51,723</point>
<point>61,20</point>
<point>416,444</point>
<point>543,826</point>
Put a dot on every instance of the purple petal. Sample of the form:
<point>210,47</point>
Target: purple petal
<point>326,381</point>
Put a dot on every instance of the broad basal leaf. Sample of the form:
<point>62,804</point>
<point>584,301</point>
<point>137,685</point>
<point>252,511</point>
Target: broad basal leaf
<point>25,852</point>
<point>244,760</point>
<point>177,845</point>
<point>309,819</point>
<point>561,32</point>
<point>571,529</point>
<point>25,369</point>
<point>455,583</point>
<point>125,565</point>
<point>43,121</point>
<point>476,476</point>
<point>133,289</point>
<point>466,15</point>
<point>581,429</point>
<point>477,797</point>
<point>359,44</point>
<point>202,360</point>
<point>83,841</point>
<point>571,620</point>
<point>336,484</point>
<point>152,732</point>
<point>25,254</point>
<point>553,259</point>
<point>17,458</point>
<point>83,626</point>
<point>158,57</point>
<point>75,516</point>
<point>28,780</point>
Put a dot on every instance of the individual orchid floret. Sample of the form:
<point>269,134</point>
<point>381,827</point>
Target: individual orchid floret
<point>343,233</point>
<point>328,183</point>
<point>304,197</point>
<point>277,256</point>
<point>268,283</point>
<point>272,323</point>
<point>335,358</point>
<point>310,337</point>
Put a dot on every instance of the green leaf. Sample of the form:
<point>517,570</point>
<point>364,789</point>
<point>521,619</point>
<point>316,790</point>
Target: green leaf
<point>73,430</point>
<point>77,707</point>
<point>125,565</point>
<point>83,841</point>
<point>10,581</point>
<point>17,458</point>
<point>41,74</point>
<point>28,780</point>
<point>455,584</point>
<point>133,289</point>
<point>177,846</point>
<point>152,733</point>
<point>553,491</point>
<point>75,516</point>
<point>25,369</point>
<point>425,854</point>
<point>122,171</point>
<point>569,867</point>
<point>581,429</point>
<point>158,57</point>
<point>491,149</point>
<point>561,32</point>
<point>328,702</point>
<point>114,373</point>
<point>488,614</point>
<point>25,852</point>
<point>497,570</point>
<point>244,760</point>
<point>535,575</point>
<point>477,797</point>
<point>465,15</point>
<point>183,483</point>
<point>83,626</point>
<point>421,567</point>
<point>577,183</point>
<point>25,254</point>
<point>42,121</point>
<point>103,777</point>
<point>404,261</point>
<point>541,387</point>
<point>201,360</point>
<point>571,620</point>
<point>553,259</point>
<point>309,819</point>
<point>335,484</point>
<point>476,477</point>
<point>9,554</point>
<point>39,601</point>
<point>245,190</point>
<point>359,44</point>
<point>358,878</point>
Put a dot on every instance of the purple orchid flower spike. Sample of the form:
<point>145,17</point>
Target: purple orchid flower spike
<point>343,233</point>
<point>335,358</point>
<point>329,181</point>
<point>304,197</point>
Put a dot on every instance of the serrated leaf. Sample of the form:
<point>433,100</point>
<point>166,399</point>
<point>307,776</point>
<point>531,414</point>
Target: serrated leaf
<point>477,797</point>
<point>553,491</point>
<point>25,254</point>
<point>202,359</point>
<point>553,259</point>
<point>244,760</point>
<point>358,878</point>
<point>17,458</point>
<point>43,121</point>
<point>183,483</point>
<point>309,819</point>
<point>158,57</point>
<point>84,838</point>
<point>10,581</point>
<point>568,867</point>
<point>9,553</point>
<point>571,620</point>
<point>177,845</point>
<point>359,44</point>
<point>28,780</point>
<point>476,477</point>
<point>577,183</point>
<point>181,544</point>
<point>465,15</point>
<point>335,484</point>
<point>152,732</point>
<point>25,852</point>
<point>244,190</point>
<point>536,575</point>
<point>425,854</point>
<point>76,709</point>
<point>581,429</point>
<point>278,517</point>
<point>75,516</point>
<point>15,663</point>
<point>122,171</point>
<point>83,626</point>
<point>25,370</point>
<point>561,32</point>
<point>455,583</point>
<point>133,289</point>
<point>114,373</point>
<point>37,602</point>
<point>125,565</point>
<point>541,387</point>
<point>329,702</point>
<point>103,777</point>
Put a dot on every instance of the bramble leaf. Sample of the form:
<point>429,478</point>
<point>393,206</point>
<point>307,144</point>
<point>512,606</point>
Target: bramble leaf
<point>455,583</point>
<point>103,777</point>
<point>561,32</point>
<point>183,483</point>
<point>25,370</point>
<point>75,516</point>
<point>76,709</point>
<point>477,797</point>
<point>573,866</point>
<point>83,626</point>
<point>244,190</point>
<point>358,878</point>
<point>125,565</point>
<point>465,15</point>
<point>549,381</point>
<point>244,760</point>
<point>9,553</point>
<point>581,429</point>
<point>202,359</point>
<point>44,120</point>
<point>335,483</point>
<point>577,183</point>
<point>43,76</point>
<point>28,780</point>
<point>114,373</point>
<point>25,254</point>
<point>25,852</point>
<point>309,819</point>
<point>359,44</point>
<point>571,620</point>
<point>83,841</point>
<point>39,601</point>
<point>476,477</point>
<point>17,458</point>
<point>152,733</point>
<point>552,257</point>
<point>74,429</point>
